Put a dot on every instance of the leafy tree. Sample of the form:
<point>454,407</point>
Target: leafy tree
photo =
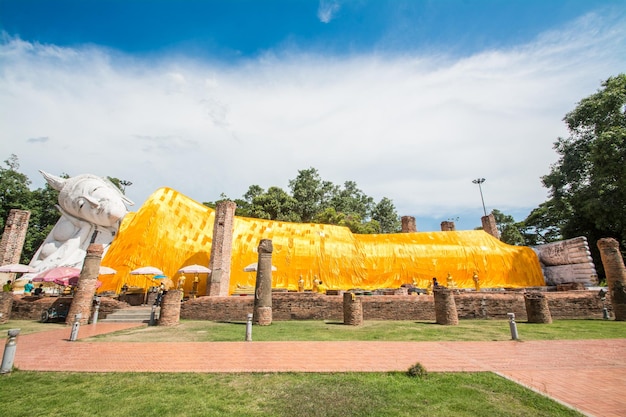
<point>351,221</point>
<point>275,204</point>
<point>351,200</point>
<point>14,191</point>
<point>16,194</point>
<point>385,214</point>
<point>316,200</point>
<point>543,224</point>
<point>507,227</point>
<point>588,183</point>
<point>311,193</point>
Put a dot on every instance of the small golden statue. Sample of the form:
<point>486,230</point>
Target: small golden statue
<point>450,283</point>
<point>476,281</point>
<point>301,284</point>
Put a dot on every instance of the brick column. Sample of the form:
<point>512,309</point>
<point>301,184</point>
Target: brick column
<point>537,309</point>
<point>170,308</point>
<point>352,309</point>
<point>448,226</point>
<point>615,272</point>
<point>221,249</point>
<point>263,286</point>
<point>6,304</point>
<point>14,236</point>
<point>86,289</point>
<point>408,224</point>
<point>445,307</point>
<point>489,225</point>
<point>12,241</point>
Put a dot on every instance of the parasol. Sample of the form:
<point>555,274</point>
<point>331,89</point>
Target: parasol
<point>72,282</point>
<point>59,272</point>
<point>17,269</point>
<point>146,270</point>
<point>105,270</point>
<point>253,267</point>
<point>194,269</point>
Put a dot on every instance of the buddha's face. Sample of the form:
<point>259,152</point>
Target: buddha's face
<point>92,199</point>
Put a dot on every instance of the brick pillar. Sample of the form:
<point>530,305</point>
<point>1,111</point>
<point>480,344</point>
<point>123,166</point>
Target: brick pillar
<point>445,307</point>
<point>86,289</point>
<point>6,304</point>
<point>489,225</point>
<point>448,226</point>
<point>352,309</point>
<point>537,308</point>
<point>221,249</point>
<point>14,236</point>
<point>170,308</point>
<point>263,287</point>
<point>408,224</point>
<point>615,275</point>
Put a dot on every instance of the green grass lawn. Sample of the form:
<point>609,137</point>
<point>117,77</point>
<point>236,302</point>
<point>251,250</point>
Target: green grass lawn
<point>293,394</point>
<point>31,394</point>
<point>324,330</point>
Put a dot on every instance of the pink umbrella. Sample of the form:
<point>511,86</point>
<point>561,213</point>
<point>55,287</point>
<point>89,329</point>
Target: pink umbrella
<point>59,272</point>
<point>72,281</point>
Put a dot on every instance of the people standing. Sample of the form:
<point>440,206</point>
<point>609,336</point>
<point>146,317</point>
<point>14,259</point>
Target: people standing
<point>28,288</point>
<point>39,291</point>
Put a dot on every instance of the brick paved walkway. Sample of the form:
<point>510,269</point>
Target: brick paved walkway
<point>588,375</point>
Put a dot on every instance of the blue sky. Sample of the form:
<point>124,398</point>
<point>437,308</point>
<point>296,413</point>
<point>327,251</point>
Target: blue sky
<point>409,99</point>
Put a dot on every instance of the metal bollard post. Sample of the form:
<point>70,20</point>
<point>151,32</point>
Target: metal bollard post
<point>9,352</point>
<point>153,316</point>
<point>513,326</point>
<point>96,310</point>
<point>75,327</point>
<point>249,328</point>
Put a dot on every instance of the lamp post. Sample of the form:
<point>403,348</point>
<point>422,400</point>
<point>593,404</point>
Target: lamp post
<point>480,181</point>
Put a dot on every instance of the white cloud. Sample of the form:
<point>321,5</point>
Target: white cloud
<point>327,10</point>
<point>416,129</point>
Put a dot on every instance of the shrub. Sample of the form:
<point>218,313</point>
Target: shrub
<point>417,371</point>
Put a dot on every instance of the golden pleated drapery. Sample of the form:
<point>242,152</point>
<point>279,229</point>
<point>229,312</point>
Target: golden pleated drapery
<point>170,231</point>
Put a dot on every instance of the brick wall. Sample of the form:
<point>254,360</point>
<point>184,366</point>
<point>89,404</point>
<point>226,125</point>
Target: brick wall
<point>30,308</point>
<point>470,305</point>
<point>311,306</point>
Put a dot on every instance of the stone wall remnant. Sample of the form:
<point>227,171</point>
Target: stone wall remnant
<point>262,313</point>
<point>615,275</point>
<point>448,226</point>
<point>408,224</point>
<point>537,309</point>
<point>352,309</point>
<point>170,308</point>
<point>221,249</point>
<point>13,237</point>
<point>445,307</point>
<point>86,289</point>
<point>489,225</point>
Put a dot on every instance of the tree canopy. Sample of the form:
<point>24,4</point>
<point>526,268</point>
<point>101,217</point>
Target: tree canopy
<point>16,194</point>
<point>587,185</point>
<point>313,200</point>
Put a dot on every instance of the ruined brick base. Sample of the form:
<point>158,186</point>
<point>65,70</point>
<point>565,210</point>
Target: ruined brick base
<point>312,306</point>
<point>264,316</point>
